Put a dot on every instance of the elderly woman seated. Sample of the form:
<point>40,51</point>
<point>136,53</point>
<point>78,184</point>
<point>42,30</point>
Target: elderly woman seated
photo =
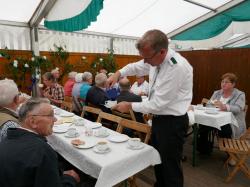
<point>229,98</point>
<point>53,91</point>
<point>9,102</point>
<point>68,86</point>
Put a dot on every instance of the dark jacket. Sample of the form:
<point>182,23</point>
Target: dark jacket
<point>96,96</point>
<point>27,160</point>
<point>131,97</point>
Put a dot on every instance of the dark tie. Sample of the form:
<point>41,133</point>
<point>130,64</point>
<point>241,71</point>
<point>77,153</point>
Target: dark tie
<point>157,70</point>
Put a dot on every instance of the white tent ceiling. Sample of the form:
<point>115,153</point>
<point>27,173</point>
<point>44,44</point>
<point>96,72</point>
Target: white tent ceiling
<point>129,18</point>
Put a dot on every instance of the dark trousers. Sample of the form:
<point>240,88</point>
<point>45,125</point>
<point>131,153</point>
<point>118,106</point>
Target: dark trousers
<point>168,135</point>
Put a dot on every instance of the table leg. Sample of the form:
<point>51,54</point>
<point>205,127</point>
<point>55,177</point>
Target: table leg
<point>195,130</point>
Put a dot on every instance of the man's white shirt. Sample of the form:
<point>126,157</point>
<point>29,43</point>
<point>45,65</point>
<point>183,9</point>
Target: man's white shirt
<point>171,93</point>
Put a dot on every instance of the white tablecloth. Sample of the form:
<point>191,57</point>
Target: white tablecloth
<point>214,120</point>
<point>110,168</point>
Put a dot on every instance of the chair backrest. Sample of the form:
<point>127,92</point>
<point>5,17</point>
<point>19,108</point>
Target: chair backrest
<point>67,106</point>
<point>109,117</point>
<point>90,109</point>
<point>68,99</point>
<point>139,127</point>
<point>129,115</point>
<point>204,101</point>
<point>246,135</point>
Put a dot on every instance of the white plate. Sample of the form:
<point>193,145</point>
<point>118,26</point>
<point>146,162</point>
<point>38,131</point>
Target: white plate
<point>60,129</point>
<point>135,148</point>
<point>87,145</point>
<point>118,138</point>
<point>101,152</point>
<point>93,125</point>
<point>101,136</point>
<point>212,112</point>
<point>68,114</point>
<point>70,136</point>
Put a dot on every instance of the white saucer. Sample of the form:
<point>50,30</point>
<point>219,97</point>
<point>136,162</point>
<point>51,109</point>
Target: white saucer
<point>60,129</point>
<point>101,152</point>
<point>213,113</point>
<point>118,138</point>
<point>69,136</point>
<point>93,125</point>
<point>135,148</point>
<point>87,145</point>
<point>102,135</point>
<point>68,114</point>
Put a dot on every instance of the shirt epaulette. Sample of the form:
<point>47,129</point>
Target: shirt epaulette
<point>173,61</point>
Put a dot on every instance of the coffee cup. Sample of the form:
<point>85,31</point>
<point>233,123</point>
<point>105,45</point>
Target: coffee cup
<point>110,103</point>
<point>199,106</point>
<point>102,146</point>
<point>72,132</point>
<point>134,142</point>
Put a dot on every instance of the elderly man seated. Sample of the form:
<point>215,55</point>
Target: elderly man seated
<point>126,95</point>
<point>140,87</point>
<point>26,158</point>
<point>96,94</point>
<point>9,101</point>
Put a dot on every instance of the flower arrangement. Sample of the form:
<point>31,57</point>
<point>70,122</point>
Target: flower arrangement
<point>21,67</point>
<point>108,62</point>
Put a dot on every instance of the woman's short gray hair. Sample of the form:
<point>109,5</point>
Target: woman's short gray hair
<point>72,74</point>
<point>31,105</point>
<point>86,76</point>
<point>78,77</point>
<point>8,91</point>
<point>100,79</point>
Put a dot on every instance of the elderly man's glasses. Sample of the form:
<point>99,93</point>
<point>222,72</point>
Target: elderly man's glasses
<point>150,58</point>
<point>45,115</point>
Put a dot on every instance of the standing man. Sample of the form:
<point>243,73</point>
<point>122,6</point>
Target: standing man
<point>170,94</point>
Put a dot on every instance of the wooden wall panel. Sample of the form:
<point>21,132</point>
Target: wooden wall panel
<point>208,67</point>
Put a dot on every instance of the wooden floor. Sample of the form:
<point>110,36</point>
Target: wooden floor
<point>209,171</point>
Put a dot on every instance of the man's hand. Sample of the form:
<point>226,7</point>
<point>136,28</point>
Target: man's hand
<point>113,79</point>
<point>73,174</point>
<point>123,107</point>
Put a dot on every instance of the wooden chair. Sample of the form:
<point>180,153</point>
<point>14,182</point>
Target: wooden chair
<point>108,117</point>
<point>90,109</point>
<point>204,101</point>
<point>67,103</point>
<point>129,115</point>
<point>67,106</point>
<point>139,127</point>
<point>68,99</point>
<point>239,151</point>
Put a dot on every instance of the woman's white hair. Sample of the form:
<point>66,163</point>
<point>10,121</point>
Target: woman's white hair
<point>78,77</point>
<point>100,79</point>
<point>8,91</point>
<point>86,76</point>
<point>72,74</point>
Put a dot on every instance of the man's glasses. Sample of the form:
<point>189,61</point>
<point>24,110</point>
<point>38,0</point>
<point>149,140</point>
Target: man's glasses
<point>150,58</point>
<point>45,115</point>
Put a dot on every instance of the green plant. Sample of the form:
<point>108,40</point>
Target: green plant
<point>59,58</point>
<point>104,62</point>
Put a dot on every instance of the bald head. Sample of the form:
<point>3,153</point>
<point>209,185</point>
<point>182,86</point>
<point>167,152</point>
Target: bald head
<point>124,84</point>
